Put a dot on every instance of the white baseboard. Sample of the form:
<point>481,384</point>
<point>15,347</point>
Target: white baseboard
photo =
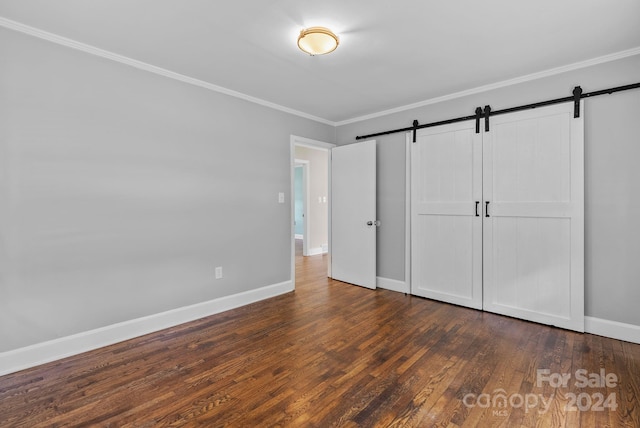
<point>612,329</point>
<point>45,352</point>
<point>392,284</point>
<point>316,251</point>
<point>600,327</point>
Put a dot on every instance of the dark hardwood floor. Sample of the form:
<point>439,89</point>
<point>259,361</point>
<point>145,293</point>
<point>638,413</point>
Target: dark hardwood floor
<point>333,354</point>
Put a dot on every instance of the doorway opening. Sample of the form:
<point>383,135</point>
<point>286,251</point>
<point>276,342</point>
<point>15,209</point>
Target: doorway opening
<point>310,201</point>
<point>301,202</point>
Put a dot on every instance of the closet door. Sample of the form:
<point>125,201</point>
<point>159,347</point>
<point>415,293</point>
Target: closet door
<point>446,233</point>
<point>534,220</point>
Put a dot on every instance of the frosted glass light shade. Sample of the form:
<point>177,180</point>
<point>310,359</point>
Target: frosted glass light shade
<point>317,41</point>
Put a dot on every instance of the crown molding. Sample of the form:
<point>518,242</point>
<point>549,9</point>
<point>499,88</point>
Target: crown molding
<point>64,41</point>
<point>74,44</point>
<point>522,79</point>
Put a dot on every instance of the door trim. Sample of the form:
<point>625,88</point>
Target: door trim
<point>407,214</point>
<point>295,140</point>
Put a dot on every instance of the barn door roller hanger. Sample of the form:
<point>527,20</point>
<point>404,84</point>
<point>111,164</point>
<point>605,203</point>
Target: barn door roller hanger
<point>576,96</point>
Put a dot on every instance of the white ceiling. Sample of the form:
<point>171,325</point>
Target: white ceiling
<point>392,53</point>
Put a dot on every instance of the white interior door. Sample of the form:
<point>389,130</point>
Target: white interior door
<point>353,213</point>
<point>446,224</point>
<point>534,233</point>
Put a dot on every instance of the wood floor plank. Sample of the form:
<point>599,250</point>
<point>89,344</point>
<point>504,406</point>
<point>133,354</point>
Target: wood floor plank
<point>330,354</point>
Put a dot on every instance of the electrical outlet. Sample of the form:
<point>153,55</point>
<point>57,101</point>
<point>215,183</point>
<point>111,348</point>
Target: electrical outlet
<point>219,272</point>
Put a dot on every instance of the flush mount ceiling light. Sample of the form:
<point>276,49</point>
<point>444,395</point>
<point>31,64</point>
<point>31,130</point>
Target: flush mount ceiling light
<point>317,41</point>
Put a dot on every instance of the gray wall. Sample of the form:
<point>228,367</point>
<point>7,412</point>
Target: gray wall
<point>612,178</point>
<point>121,191</point>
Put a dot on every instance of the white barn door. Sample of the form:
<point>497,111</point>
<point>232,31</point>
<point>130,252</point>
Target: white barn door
<point>534,233</point>
<point>353,213</point>
<point>446,238</point>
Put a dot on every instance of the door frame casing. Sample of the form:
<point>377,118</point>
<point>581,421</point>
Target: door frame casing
<point>294,141</point>
<point>407,213</point>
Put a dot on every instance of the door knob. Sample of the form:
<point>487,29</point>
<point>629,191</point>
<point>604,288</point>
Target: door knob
<point>369,223</point>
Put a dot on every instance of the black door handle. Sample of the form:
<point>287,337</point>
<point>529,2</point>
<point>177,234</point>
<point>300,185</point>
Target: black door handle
<point>477,203</point>
<point>486,208</point>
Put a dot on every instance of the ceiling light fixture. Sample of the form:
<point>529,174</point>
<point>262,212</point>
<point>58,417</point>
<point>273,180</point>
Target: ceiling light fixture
<point>317,41</point>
